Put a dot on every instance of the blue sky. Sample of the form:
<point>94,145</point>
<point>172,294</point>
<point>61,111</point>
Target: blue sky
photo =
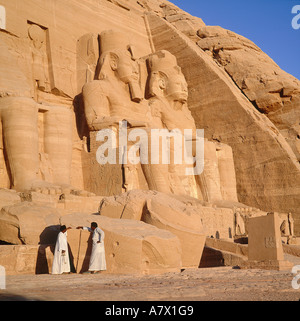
<point>266,22</point>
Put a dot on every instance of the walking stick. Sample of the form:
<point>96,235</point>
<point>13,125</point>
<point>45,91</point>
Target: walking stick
<point>78,251</point>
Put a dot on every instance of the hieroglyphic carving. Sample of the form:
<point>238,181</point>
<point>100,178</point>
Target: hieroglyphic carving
<point>87,59</point>
<point>40,71</point>
<point>286,224</point>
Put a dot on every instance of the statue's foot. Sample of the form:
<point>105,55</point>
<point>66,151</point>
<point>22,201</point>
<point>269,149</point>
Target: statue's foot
<point>68,189</point>
<point>46,188</point>
<point>58,189</point>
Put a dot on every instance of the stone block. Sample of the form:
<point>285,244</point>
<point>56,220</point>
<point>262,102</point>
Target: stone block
<point>127,205</point>
<point>73,203</point>
<point>186,226</point>
<point>26,259</point>
<point>27,223</point>
<point>265,249</point>
<point>131,246</point>
<point>8,197</point>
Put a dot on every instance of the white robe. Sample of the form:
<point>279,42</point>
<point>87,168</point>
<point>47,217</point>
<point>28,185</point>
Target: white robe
<point>61,263</point>
<point>97,260</point>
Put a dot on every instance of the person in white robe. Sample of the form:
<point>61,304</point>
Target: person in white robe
<point>97,260</point>
<point>61,262</point>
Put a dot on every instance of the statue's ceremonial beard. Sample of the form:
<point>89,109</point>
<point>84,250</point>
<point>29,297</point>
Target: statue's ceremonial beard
<point>135,91</point>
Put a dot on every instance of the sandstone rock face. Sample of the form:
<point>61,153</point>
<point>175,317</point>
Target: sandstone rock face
<point>130,246</point>
<point>271,90</point>
<point>228,116</point>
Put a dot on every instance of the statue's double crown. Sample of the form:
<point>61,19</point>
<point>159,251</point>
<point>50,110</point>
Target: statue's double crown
<point>162,61</point>
<point>112,40</point>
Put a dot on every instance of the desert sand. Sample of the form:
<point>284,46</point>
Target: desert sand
<point>205,284</point>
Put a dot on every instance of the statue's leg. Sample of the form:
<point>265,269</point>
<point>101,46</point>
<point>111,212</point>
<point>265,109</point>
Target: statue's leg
<point>20,137</point>
<point>209,179</point>
<point>4,175</point>
<point>156,171</point>
<point>157,177</point>
<point>58,143</point>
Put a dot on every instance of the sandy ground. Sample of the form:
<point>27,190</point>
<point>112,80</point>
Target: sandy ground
<point>206,284</point>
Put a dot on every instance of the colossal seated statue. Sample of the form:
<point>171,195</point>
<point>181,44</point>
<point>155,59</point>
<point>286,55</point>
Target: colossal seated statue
<point>168,103</point>
<point>116,95</point>
<point>35,138</point>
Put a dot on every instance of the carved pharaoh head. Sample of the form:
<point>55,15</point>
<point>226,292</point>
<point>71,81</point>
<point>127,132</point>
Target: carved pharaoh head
<point>117,54</point>
<point>37,35</point>
<point>166,78</point>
